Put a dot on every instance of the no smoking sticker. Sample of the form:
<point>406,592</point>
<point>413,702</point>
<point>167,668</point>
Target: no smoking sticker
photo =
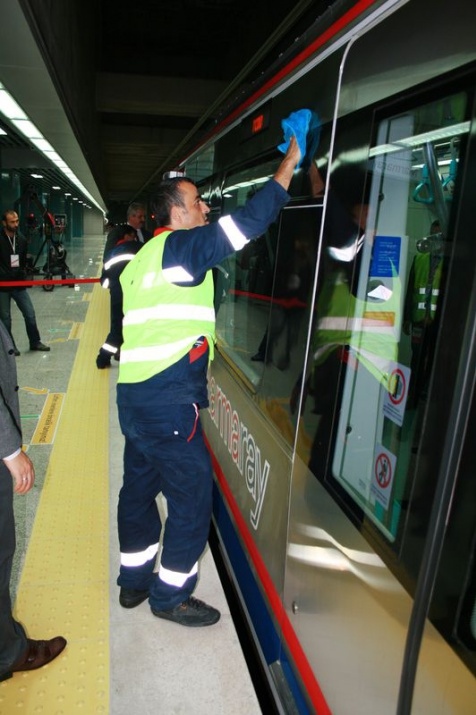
<point>397,392</point>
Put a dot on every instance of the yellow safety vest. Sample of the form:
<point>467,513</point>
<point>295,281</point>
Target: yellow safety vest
<point>368,327</point>
<point>162,321</point>
<point>426,289</point>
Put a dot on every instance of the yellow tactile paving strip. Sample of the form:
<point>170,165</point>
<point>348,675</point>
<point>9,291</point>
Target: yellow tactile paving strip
<point>65,580</point>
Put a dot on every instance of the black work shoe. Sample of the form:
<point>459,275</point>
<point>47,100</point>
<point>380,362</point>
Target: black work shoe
<point>192,612</point>
<point>117,356</point>
<point>103,361</point>
<point>40,346</point>
<point>130,597</point>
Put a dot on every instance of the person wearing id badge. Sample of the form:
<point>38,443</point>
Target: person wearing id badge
<point>13,252</point>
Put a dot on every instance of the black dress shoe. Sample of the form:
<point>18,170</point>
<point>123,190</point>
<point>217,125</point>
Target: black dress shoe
<point>40,346</point>
<point>192,613</point>
<point>130,597</point>
<point>37,654</point>
<point>16,352</point>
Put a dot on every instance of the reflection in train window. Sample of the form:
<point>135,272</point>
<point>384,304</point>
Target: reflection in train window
<point>378,312</point>
<point>284,343</point>
<point>262,297</point>
<point>243,282</point>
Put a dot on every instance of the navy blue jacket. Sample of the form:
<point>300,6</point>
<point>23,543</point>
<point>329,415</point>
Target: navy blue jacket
<point>198,250</point>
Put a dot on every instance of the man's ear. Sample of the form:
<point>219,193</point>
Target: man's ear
<point>176,215</point>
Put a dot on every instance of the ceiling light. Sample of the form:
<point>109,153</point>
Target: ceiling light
<point>10,109</point>
<point>41,143</point>
<point>27,128</point>
<point>418,140</point>
<point>56,187</point>
<point>8,106</point>
<point>37,176</point>
<point>53,155</point>
<point>244,184</point>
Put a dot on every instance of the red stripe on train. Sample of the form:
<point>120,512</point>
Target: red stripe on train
<point>340,24</point>
<point>312,687</point>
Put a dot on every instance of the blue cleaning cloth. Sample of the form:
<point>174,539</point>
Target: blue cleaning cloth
<point>306,127</point>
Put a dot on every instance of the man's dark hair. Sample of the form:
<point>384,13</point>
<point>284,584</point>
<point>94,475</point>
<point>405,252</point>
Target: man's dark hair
<point>128,230</point>
<point>352,186</point>
<point>169,195</point>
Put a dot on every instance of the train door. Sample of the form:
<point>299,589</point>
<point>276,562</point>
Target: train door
<point>440,541</point>
<point>384,494</point>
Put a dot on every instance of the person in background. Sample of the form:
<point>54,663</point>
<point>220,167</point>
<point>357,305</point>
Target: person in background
<point>169,334</point>
<point>17,474</point>
<point>13,254</point>
<point>115,262</point>
<point>420,310</point>
<point>136,219</point>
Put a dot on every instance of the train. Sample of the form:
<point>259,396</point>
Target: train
<point>342,416</point>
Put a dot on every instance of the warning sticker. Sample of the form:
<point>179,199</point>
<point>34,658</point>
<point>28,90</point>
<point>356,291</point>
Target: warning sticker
<point>395,398</point>
<point>46,428</point>
<point>383,475</point>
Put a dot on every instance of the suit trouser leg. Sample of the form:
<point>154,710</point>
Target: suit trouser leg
<point>12,635</point>
<point>5,311</point>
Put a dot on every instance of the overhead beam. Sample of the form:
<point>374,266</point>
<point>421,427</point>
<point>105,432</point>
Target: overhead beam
<point>150,95</point>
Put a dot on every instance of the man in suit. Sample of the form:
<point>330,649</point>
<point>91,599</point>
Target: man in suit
<point>136,219</point>
<point>17,474</point>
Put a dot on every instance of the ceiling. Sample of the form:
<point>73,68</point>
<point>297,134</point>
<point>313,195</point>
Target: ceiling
<point>123,90</point>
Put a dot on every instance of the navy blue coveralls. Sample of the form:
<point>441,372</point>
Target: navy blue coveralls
<point>164,447</point>
<point>110,279</point>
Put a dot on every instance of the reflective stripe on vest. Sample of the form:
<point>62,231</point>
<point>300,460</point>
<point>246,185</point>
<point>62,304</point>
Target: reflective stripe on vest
<point>426,287</point>
<point>162,321</point>
<point>368,327</point>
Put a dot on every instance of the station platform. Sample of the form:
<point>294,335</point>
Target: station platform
<point>117,661</point>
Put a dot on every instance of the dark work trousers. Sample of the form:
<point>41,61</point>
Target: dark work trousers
<point>164,452</point>
<point>114,339</point>
<point>12,636</point>
<point>23,301</point>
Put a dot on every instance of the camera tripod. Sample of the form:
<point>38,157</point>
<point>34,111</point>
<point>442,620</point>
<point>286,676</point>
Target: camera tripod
<point>55,252</point>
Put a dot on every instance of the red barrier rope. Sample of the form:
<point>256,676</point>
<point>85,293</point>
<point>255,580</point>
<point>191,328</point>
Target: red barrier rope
<point>47,282</point>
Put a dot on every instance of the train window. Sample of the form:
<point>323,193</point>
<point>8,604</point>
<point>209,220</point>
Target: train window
<point>243,282</point>
<point>284,344</point>
<point>200,166</point>
<point>377,315</point>
<point>263,298</point>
